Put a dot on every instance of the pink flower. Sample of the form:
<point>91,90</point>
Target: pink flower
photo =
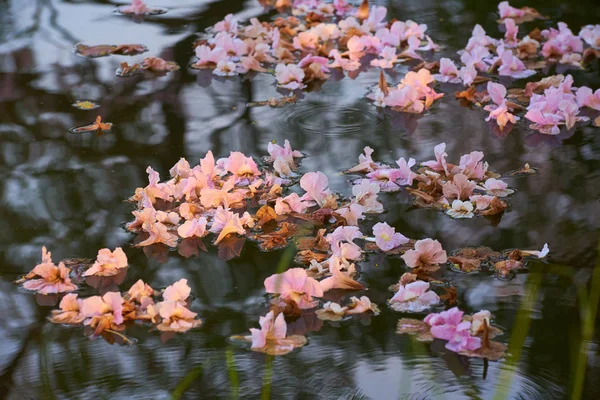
<point>241,167</point>
<point>408,28</point>
<point>234,46</point>
<point>294,284</point>
<point>560,42</point>
<point>208,57</point>
<point>375,19</point>
<point>109,306</point>
<point>141,293</point>
<point>226,222</point>
<point>316,186</point>
<point>341,242</point>
<point>225,68</point>
<point>479,40</point>
<point>460,187</point>
<point>439,164</point>
<point>405,176</point>
<point>159,233</point>
<point>510,37</point>
<point>501,115</point>
<point>414,297</point>
<point>137,7</point>
<point>482,201</point>
<point>181,169</point>
<point>452,316</point>
<point>289,76</point>
<point>475,57</point>
<point>49,277</point>
<point>108,263</point>
<point>176,317</point>
<point>339,280</point>
<point>285,152</point>
<point>343,63</point>
<point>478,321</point>
<point>229,24</point>
<point>386,236</point>
<point>365,193</point>
<point>588,98</point>
<point>591,35</point>
<point>362,305</point>
<point>271,328</point>
<point>387,58</point>
<point>211,198</point>
<point>178,292</point>
<point>496,187</point>
<point>472,165</point>
<point>545,122</point>
<point>455,332</point>
<point>513,67</point>
<point>291,203</point>
<point>69,312</point>
<point>385,178</point>
<point>448,72</point>
<point>365,162</point>
<point>507,11</point>
<point>467,74</point>
<point>195,227</point>
<point>426,252</point>
<point>356,48</point>
<point>351,213</point>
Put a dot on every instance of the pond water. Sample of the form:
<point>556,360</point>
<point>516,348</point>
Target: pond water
<point>67,192</point>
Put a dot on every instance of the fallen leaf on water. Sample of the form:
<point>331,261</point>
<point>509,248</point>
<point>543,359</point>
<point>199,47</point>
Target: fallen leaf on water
<point>97,126</point>
<point>85,105</point>
<point>417,327</point>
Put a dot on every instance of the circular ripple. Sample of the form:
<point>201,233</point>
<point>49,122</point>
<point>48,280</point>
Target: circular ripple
<point>331,119</point>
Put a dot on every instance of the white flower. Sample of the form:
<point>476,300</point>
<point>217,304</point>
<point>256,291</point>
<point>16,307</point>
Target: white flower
<point>461,209</point>
<point>225,68</point>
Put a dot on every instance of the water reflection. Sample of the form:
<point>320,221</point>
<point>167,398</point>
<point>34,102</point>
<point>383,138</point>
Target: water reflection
<point>67,191</point>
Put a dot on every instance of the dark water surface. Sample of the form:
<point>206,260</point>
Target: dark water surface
<point>66,191</point>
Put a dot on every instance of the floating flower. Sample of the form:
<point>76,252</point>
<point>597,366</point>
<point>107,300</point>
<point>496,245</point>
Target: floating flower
<point>427,252</point>
<point>178,291</point>
<point>272,337</point>
<point>439,164</point>
<point>496,187</point>
<point>448,326</point>
<point>225,68</point>
<point>331,312</point>
<point>460,187</point>
<point>414,297</point>
<point>108,263</point>
<point>195,227</point>
<point>226,222</point>
<point>362,305</point>
<point>365,193</point>
<point>461,209</point>
<point>103,313</point>
<point>176,317</point>
<point>448,72</point>
<point>386,236</point>
<point>289,76</point>
<point>316,186</point>
<point>513,67</point>
<point>539,254</point>
<point>47,278</point>
<point>295,285</point>
<point>69,312</point>
<point>352,213</point>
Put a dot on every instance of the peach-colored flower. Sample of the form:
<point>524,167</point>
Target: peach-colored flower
<point>460,187</point>
<point>159,233</point>
<point>351,213</point>
<point>48,277</point>
<point>179,291</point>
<point>294,284</point>
<point>472,165</point>
<point>108,263</point>
<point>365,162</point>
<point>291,203</point>
<point>272,337</point>
<point>362,305</point>
<point>289,76</point>
<point>427,252</point>
<point>137,7</point>
<point>439,164</point>
<point>414,297</point>
<point>104,312</point>
<point>226,222</point>
<point>338,279</point>
<point>176,317</point>
<point>69,312</point>
<point>195,227</point>
<point>141,293</point>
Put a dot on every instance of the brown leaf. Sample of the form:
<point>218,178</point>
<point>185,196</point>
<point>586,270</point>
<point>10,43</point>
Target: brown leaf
<point>265,214</point>
<point>363,11</point>
<point>383,86</point>
<point>417,327</point>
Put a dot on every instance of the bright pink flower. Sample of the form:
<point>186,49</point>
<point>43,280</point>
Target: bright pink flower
<point>386,236</point>
<point>108,263</point>
<point>342,243</point>
<point>426,252</point>
<point>513,67</point>
<point>544,122</point>
<point>452,316</point>
<point>510,37</point>
<point>195,227</point>
<point>448,72</point>
<point>137,7</point>
<point>179,291</point>
<point>414,297</point>
<point>49,278</point>
<point>289,76</point>
<point>294,284</point>
<point>385,178</point>
<point>439,164</point>
<point>234,46</point>
<point>475,57</point>
<point>560,42</point>
<point>507,11</point>
<point>316,186</point>
<point>467,74</point>
<point>458,335</point>
<point>497,187</point>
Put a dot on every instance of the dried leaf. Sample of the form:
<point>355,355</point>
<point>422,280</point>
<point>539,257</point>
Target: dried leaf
<point>417,327</point>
